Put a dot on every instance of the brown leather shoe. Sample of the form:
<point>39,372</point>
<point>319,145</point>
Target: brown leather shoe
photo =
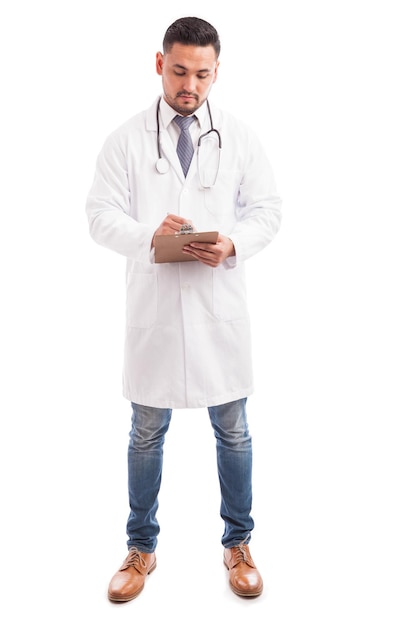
<point>244,578</point>
<point>129,581</point>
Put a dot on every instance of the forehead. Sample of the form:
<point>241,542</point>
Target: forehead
<point>192,57</point>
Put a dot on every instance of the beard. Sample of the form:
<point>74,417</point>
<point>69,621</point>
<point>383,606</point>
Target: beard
<point>189,108</point>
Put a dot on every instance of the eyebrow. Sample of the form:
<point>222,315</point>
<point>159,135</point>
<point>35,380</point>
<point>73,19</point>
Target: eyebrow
<point>181,67</point>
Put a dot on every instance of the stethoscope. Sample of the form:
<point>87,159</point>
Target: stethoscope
<point>162,165</point>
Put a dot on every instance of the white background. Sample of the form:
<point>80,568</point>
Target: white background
<point>331,89</point>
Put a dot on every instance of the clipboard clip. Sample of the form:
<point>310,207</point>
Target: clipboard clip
<point>186,229</point>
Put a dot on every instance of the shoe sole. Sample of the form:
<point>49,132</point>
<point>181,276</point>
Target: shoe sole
<point>245,595</point>
<point>133,596</point>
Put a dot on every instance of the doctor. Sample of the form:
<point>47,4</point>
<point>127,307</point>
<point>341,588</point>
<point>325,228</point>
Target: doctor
<point>187,327</point>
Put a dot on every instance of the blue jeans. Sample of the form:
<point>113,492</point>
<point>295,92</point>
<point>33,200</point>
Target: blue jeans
<point>234,464</point>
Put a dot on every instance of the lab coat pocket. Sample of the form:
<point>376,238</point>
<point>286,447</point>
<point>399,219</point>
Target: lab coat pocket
<point>229,294</point>
<point>223,193</point>
<point>141,300</point>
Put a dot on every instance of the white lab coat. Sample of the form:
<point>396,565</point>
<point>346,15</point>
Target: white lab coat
<point>188,340</point>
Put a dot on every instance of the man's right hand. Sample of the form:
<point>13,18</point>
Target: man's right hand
<point>170,226</point>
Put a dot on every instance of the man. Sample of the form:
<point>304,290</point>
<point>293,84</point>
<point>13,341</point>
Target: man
<point>187,329</point>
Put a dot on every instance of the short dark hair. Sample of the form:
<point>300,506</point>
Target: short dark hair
<point>191,31</point>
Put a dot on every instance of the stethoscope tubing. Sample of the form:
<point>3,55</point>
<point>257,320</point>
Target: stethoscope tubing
<point>162,165</point>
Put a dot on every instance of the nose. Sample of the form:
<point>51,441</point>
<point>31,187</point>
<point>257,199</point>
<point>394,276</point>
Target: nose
<point>189,84</point>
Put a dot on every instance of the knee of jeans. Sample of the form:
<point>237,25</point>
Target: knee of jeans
<point>238,440</point>
<point>146,439</point>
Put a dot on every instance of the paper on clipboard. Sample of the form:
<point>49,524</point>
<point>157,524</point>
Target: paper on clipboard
<point>168,248</point>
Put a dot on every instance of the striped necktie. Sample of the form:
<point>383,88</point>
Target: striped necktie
<point>185,149</point>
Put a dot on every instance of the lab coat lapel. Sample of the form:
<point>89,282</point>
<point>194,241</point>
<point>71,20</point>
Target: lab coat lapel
<point>167,148</point>
<point>169,152</point>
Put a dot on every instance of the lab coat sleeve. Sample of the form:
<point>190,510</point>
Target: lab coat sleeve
<point>108,205</point>
<point>258,207</point>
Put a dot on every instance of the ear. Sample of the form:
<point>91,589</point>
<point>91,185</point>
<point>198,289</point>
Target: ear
<point>159,63</point>
<point>215,71</point>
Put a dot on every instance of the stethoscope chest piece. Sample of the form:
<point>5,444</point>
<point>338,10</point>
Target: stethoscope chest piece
<point>162,165</point>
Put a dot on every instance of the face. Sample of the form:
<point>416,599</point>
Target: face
<point>188,72</point>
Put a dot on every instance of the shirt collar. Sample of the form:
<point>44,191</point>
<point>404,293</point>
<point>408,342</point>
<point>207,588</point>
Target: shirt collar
<point>168,113</point>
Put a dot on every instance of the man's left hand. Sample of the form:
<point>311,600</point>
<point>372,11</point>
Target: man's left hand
<point>212,254</point>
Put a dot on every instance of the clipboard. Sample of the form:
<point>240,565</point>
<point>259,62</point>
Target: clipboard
<point>168,248</point>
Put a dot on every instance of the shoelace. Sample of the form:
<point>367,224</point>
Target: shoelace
<point>135,559</point>
<point>242,555</point>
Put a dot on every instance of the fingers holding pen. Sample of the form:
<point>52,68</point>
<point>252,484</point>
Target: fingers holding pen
<point>176,223</point>
<point>171,225</point>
